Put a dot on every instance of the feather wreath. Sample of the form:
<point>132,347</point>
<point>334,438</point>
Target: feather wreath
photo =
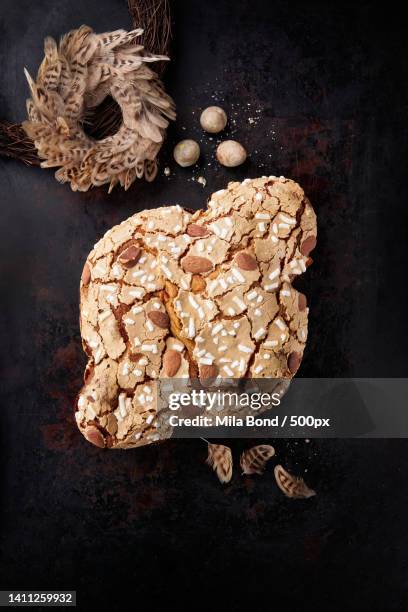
<point>78,75</point>
<point>154,17</point>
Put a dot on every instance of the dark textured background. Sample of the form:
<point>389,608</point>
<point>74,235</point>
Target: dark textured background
<point>318,92</point>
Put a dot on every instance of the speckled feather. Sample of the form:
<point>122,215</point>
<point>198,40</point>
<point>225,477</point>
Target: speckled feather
<point>220,459</point>
<point>254,459</point>
<point>293,487</point>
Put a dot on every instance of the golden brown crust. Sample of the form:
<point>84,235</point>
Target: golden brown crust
<point>169,293</point>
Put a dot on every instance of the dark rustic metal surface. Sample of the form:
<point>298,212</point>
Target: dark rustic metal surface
<point>317,92</point>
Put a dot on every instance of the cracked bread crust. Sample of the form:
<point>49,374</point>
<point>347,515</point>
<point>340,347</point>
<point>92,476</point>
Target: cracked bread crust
<point>170,293</point>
